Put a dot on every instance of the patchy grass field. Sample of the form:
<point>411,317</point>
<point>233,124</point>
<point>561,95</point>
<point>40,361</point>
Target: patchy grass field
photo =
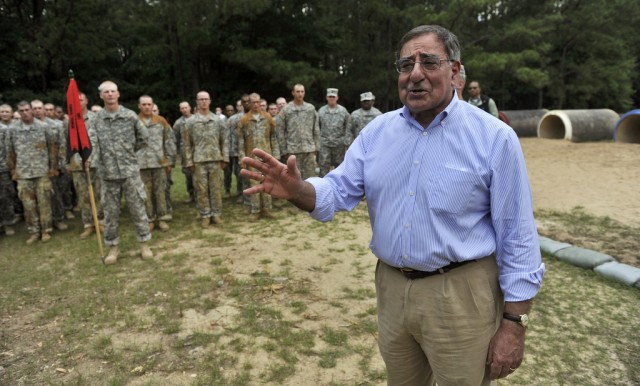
<point>283,302</point>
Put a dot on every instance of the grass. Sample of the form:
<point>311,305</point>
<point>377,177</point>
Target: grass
<point>294,304</point>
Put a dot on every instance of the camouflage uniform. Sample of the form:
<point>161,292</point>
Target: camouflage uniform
<point>178,128</point>
<point>205,147</point>
<point>32,158</point>
<point>7,190</point>
<point>154,160</point>
<point>60,181</point>
<point>258,132</point>
<point>299,133</point>
<point>115,137</point>
<point>335,126</point>
<point>80,183</point>
<point>234,160</point>
<point>360,118</point>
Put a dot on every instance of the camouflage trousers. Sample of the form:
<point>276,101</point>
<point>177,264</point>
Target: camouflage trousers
<point>7,192</point>
<point>82,190</point>
<point>233,169</point>
<point>167,192</point>
<point>188,178</point>
<point>260,201</point>
<point>57,200</point>
<point>330,156</point>
<point>307,164</point>
<point>133,191</point>
<point>155,183</point>
<point>35,194</point>
<point>207,180</point>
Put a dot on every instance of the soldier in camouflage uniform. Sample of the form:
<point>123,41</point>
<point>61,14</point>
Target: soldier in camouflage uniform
<point>362,116</point>
<point>207,152</point>
<point>234,160</point>
<point>33,158</point>
<point>178,127</point>
<point>299,132</point>
<point>79,176</point>
<point>116,134</point>
<point>257,129</point>
<point>335,126</point>
<point>7,213</point>
<point>59,181</point>
<point>155,162</point>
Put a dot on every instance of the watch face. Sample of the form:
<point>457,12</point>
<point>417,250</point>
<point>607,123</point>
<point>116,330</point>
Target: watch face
<point>524,320</point>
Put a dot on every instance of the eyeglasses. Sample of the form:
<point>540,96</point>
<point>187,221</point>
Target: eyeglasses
<point>428,64</point>
<point>472,88</point>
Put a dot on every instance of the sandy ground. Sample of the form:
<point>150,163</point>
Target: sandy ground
<point>602,177</point>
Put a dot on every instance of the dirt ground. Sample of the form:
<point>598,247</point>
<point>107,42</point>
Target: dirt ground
<point>603,177</point>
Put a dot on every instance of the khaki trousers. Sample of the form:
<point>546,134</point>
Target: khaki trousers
<point>437,329</point>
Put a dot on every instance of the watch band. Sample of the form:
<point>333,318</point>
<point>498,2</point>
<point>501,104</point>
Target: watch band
<point>522,320</point>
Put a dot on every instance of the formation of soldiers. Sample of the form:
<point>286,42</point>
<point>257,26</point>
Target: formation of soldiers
<point>133,156</point>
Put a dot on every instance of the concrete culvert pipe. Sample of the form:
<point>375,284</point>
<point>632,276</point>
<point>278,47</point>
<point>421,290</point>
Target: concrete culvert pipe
<point>525,122</point>
<point>578,125</point>
<point>628,128</point>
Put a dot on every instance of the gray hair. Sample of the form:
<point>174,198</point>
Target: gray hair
<point>446,37</point>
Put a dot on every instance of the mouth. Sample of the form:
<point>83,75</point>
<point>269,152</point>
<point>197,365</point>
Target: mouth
<point>417,92</point>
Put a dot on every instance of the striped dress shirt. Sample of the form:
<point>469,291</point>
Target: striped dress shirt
<point>457,190</point>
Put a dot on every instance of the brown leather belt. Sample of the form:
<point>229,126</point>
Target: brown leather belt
<point>414,274</point>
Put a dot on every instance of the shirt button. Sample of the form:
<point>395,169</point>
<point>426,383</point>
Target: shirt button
<point>406,257</point>
<point>416,162</point>
<point>407,225</point>
<point>412,194</point>
<point>425,133</point>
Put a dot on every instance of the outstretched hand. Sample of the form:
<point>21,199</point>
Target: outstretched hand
<point>278,180</point>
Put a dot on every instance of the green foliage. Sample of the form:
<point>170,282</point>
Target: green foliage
<point>544,54</point>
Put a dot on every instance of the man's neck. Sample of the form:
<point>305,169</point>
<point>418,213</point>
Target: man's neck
<point>204,112</point>
<point>112,108</point>
<point>298,103</point>
<point>27,122</point>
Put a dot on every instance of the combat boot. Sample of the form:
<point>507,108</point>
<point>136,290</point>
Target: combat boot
<point>268,214</point>
<point>69,215</point>
<point>59,225</point>
<point>88,231</point>
<point>45,237</point>
<point>216,220</point>
<point>163,226</point>
<point>152,225</point>
<point>33,238</point>
<point>205,222</point>
<point>254,216</point>
<point>112,257</point>
<point>145,251</point>
<point>9,231</point>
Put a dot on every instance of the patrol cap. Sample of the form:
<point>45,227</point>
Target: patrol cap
<point>332,92</point>
<point>367,96</point>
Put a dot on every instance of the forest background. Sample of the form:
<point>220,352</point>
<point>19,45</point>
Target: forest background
<point>526,54</point>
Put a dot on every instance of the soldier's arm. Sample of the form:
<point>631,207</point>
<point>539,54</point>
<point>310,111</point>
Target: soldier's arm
<point>169,144</point>
<point>188,145</point>
<point>316,130</point>
<point>241,152</point>
<point>141,133</point>
<point>224,146</point>
<point>281,132</point>
<point>273,138</point>
<point>11,156</point>
<point>347,130</point>
<point>53,147</point>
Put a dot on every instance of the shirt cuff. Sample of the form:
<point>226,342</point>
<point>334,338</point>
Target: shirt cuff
<point>518,287</point>
<point>323,210</point>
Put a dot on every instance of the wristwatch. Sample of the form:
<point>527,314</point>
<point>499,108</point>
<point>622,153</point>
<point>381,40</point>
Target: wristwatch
<point>522,320</point>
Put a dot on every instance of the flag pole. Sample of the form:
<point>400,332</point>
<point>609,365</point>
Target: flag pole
<point>92,200</point>
<point>94,213</point>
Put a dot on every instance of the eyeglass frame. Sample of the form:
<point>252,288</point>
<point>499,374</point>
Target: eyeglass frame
<point>424,57</point>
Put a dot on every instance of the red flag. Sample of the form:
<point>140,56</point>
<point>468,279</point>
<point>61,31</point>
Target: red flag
<point>78,138</point>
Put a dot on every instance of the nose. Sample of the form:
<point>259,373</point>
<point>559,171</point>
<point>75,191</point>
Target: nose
<point>416,74</point>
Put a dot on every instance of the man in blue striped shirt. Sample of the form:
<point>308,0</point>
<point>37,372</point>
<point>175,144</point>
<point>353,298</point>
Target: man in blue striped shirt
<point>450,208</point>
